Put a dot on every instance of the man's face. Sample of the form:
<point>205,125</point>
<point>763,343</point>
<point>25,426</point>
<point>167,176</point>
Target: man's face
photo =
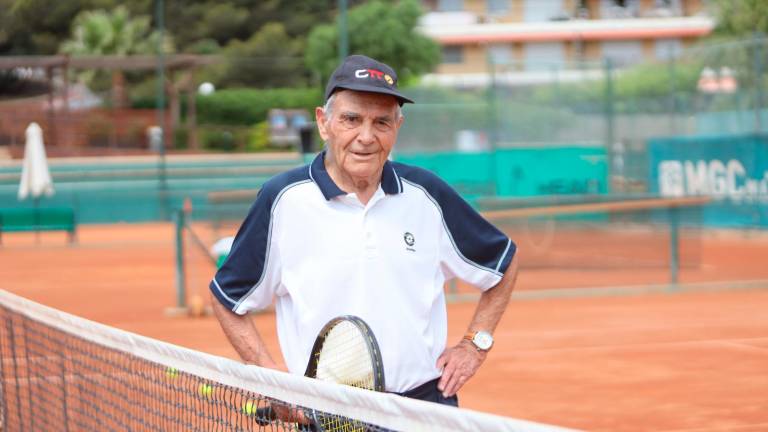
<point>360,132</point>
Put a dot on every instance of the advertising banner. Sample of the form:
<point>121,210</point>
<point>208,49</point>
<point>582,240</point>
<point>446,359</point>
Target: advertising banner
<point>733,170</point>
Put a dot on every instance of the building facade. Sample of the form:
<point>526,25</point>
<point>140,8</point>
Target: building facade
<point>477,36</point>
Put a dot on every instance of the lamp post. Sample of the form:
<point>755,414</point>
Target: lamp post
<point>160,105</point>
<point>343,36</point>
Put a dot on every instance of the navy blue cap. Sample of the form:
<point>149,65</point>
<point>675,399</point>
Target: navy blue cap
<point>361,73</point>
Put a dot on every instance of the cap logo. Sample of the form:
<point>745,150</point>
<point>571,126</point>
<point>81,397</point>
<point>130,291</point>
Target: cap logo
<point>373,73</point>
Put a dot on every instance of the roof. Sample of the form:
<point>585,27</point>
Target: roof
<point>550,31</point>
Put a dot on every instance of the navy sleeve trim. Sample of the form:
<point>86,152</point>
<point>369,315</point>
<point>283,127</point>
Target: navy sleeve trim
<point>269,239</point>
<point>246,266</point>
<point>486,235</point>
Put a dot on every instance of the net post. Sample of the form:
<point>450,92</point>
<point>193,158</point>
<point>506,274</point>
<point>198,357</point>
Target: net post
<point>181,284</point>
<point>674,246</point>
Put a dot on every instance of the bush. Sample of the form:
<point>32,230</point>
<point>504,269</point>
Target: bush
<point>642,88</point>
<point>219,140</point>
<point>258,137</point>
<point>181,138</point>
<point>250,106</point>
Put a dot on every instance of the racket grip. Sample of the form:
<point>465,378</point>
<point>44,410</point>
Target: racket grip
<point>265,416</point>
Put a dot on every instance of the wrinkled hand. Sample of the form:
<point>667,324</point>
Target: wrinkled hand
<point>279,411</point>
<point>287,414</point>
<point>458,363</point>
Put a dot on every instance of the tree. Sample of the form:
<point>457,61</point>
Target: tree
<point>380,30</point>
<point>115,32</point>
<point>269,58</point>
<point>36,27</point>
<point>226,20</point>
<point>741,17</point>
<point>101,32</point>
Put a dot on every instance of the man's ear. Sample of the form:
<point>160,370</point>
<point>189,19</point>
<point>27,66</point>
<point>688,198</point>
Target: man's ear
<point>321,122</point>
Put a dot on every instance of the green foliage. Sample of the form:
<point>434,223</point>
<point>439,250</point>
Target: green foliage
<point>741,17</point>
<point>116,32</point>
<point>38,26</point>
<point>204,46</point>
<point>250,106</point>
<point>657,80</point>
<point>380,30</point>
<point>269,58</point>
<point>645,87</point>
<point>180,138</point>
<point>112,32</point>
<point>218,140</point>
<point>258,137</point>
<point>226,20</point>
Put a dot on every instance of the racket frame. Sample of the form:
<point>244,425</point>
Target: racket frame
<point>370,341</point>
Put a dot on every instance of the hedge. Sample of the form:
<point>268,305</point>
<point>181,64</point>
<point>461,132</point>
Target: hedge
<point>250,106</point>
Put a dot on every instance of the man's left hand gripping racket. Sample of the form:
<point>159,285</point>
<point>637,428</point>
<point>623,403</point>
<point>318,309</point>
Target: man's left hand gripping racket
<point>345,352</point>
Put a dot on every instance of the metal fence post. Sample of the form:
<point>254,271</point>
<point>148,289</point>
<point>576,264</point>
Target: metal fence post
<point>672,92</point>
<point>493,123</point>
<point>757,50</point>
<point>181,283</point>
<point>608,105</point>
<point>674,245</point>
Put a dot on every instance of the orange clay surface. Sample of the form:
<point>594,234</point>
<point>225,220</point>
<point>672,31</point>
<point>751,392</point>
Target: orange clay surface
<point>696,360</point>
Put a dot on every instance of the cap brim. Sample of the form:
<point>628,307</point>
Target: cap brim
<point>372,89</point>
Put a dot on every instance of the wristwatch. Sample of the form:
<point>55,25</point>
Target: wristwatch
<point>482,340</point>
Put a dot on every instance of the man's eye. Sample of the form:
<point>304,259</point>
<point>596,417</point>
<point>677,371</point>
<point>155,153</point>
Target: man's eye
<point>350,120</point>
<point>383,124</point>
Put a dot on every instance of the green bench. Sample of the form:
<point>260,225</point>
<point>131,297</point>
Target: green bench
<point>38,219</point>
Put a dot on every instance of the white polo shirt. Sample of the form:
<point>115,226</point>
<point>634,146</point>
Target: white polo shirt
<point>320,254</point>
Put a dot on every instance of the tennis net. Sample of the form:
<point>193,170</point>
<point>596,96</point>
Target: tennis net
<point>64,373</point>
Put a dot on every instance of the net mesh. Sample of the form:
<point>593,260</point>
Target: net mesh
<point>61,372</point>
<point>602,235</point>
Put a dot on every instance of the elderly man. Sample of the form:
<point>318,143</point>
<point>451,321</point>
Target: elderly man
<point>355,234</point>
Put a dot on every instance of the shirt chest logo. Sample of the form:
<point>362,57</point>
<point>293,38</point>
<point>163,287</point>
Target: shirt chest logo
<point>409,240</point>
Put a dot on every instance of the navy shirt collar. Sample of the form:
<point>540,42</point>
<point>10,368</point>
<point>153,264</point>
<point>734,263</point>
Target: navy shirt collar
<point>390,181</point>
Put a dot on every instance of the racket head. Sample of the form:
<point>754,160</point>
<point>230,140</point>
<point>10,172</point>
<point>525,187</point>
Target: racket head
<point>346,352</point>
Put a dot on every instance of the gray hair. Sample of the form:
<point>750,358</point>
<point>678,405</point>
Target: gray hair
<point>328,108</point>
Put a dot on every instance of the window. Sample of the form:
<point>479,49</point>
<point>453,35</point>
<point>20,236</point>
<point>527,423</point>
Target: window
<point>623,53</point>
<point>619,9</point>
<point>543,10</point>
<point>544,56</point>
<point>500,53</point>
<point>450,5</point>
<point>672,6</point>
<point>453,54</point>
<point>497,6</point>
<point>666,49</point>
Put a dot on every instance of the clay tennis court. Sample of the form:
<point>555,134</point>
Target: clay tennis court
<point>605,359</point>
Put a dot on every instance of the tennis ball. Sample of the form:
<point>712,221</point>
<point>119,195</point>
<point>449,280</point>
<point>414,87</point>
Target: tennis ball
<point>205,390</point>
<point>249,408</point>
<point>172,372</point>
<point>196,306</point>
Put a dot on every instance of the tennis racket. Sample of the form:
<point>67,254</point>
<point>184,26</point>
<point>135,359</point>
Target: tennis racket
<point>345,352</point>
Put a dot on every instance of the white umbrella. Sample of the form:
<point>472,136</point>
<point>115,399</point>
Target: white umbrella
<point>35,176</point>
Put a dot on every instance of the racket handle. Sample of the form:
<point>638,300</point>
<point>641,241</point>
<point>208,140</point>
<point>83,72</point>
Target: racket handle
<point>265,416</point>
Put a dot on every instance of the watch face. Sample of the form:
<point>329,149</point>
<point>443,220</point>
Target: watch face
<point>483,340</point>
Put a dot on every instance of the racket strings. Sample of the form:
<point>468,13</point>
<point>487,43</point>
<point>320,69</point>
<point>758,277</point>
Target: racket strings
<point>345,357</point>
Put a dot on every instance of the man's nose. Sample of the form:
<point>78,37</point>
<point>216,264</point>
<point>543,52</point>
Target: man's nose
<point>367,133</point>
